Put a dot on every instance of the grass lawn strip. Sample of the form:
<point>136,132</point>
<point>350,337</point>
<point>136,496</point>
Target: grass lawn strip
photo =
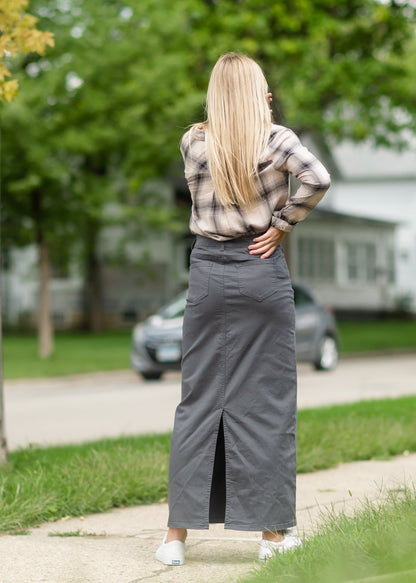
<point>377,335</point>
<point>51,483</point>
<point>329,436</point>
<point>77,353</point>
<point>376,544</point>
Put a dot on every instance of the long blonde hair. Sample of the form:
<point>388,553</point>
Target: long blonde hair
<point>237,128</point>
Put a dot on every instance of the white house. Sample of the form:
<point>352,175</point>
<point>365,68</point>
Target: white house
<point>348,261</point>
<point>381,184</point>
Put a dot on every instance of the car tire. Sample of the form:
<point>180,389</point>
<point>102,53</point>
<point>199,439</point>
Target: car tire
<point>327,357</point>
<point>151,376</point>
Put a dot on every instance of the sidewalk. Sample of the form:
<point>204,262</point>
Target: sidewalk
<point>120,544</point>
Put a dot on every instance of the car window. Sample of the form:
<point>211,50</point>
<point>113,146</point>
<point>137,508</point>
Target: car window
<point>175,309</point>
<point>302,298</point>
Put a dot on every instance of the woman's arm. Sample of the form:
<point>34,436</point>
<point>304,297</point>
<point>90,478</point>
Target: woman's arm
<point>294,158</point>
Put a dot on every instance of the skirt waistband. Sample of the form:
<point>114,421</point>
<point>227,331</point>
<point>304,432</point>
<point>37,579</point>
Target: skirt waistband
<point>239,242</point>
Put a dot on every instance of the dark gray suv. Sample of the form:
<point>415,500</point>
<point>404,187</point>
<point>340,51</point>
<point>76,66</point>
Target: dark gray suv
<point>157,342</point>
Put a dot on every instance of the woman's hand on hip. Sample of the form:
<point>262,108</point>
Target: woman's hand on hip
<point>267,243</point>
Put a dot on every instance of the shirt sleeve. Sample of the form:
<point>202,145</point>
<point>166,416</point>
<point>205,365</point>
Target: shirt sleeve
<point>184,145</point>
<point>189,151</point>
<point>296,159</point>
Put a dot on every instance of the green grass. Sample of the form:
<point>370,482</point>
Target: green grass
<point>75,353</point>
<point>359,431</point>
<point>377,335</point>
<point>51,483</point>
<point>377,545</point>
<point>48,484</point>
<point>77,533</point>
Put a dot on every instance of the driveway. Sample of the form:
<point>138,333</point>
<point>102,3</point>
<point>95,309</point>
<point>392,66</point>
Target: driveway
<point>86,407</point>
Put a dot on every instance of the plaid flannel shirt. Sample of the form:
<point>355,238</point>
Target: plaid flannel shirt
<point>284,155</point>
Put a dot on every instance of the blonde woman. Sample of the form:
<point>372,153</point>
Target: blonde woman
<point>233,450</point>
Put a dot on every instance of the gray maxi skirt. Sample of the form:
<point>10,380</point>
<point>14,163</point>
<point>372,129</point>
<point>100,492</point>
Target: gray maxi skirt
<point>233,449</point>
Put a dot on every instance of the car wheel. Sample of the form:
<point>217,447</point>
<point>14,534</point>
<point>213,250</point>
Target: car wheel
<point>327,358</point>
<point>151,376</point>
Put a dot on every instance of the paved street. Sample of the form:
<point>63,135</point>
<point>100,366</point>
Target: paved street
<point>85,407</point>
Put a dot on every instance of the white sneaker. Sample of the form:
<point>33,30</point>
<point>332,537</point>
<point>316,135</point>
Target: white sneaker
<point>172,553</point>
<point>289,543</point>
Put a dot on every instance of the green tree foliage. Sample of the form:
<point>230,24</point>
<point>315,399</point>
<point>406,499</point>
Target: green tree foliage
<point>103,112</point>
<point>336,67</point>
<point>100,115</point>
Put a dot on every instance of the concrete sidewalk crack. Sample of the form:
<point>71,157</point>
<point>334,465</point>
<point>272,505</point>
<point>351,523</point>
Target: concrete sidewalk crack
<point>148,577</point>
<point>323,504</point>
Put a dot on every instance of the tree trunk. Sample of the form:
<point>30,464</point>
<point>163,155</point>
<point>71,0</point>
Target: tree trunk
<point>94,315</point>
<point>3,442</point>
<point>45,327</point>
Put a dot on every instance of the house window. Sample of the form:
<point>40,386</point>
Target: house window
<point>361,262</point>
<point>352,261</point>
<point>391,266</point>
<point>316,258</point>
<point>370,262</point>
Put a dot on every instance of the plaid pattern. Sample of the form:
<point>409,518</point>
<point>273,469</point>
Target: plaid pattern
<point>284,155</point>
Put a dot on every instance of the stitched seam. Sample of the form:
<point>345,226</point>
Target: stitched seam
<point>202,296</point>
<point>265,293</point>
<point>211,473</point>
<point>224,421</point>
<point>214,444</point>
<point>258,527</point>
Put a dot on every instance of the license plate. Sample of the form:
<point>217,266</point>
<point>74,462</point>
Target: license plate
<point>168,353</point>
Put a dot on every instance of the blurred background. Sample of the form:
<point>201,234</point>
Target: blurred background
<point>94,204</point>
